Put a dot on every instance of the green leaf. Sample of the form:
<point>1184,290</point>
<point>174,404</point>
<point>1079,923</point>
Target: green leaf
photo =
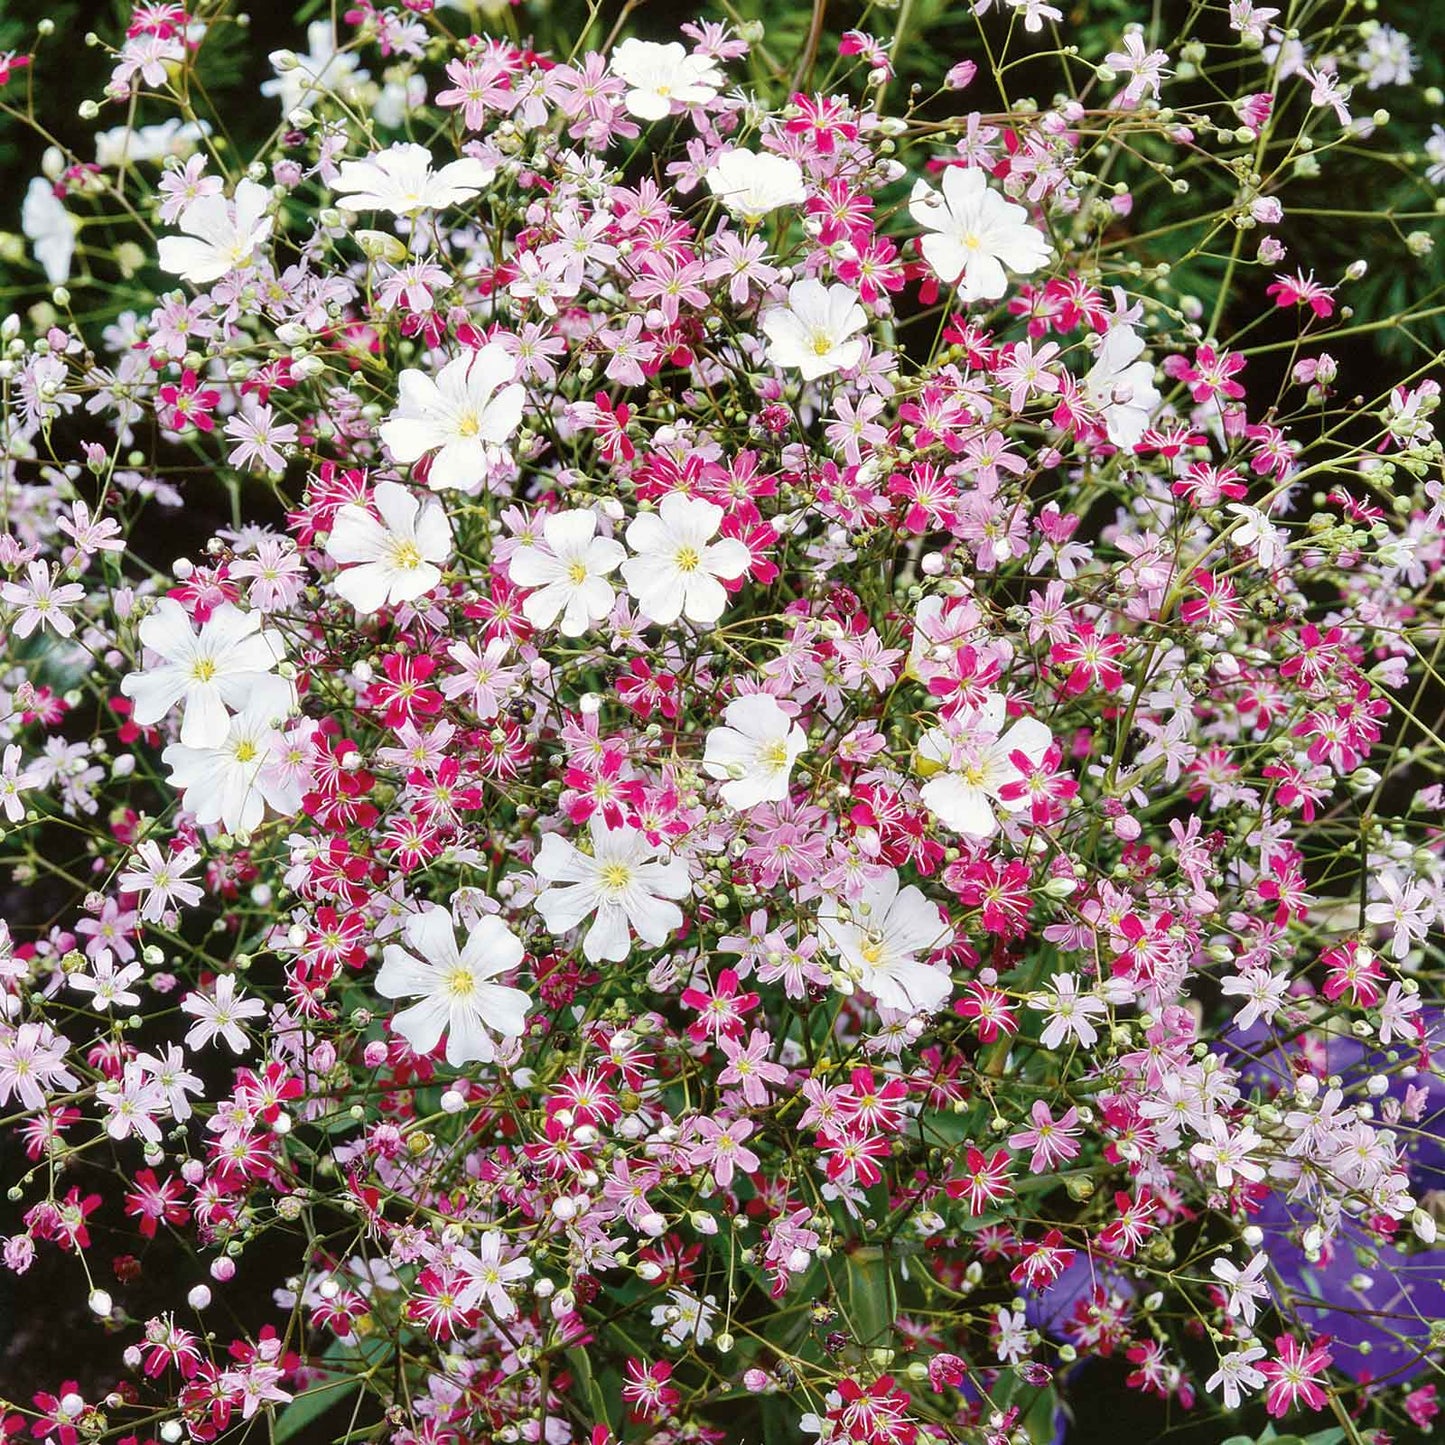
<point>872,1299</point>
<point>313,1404</point>
<point>582,1368</point>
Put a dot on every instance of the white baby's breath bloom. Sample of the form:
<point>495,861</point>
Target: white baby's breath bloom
<point>397,557</point>
<point>752,184</point>
<point>50,229</point>
<point>974,233</point>
<point>300,78</point>
<point>969,763</point>
<point>755,749</point>
<point>816,332</point>
<point>658,76</point>
<point>223,666</point>
<point>127,144</point>
<point>880,940</point>
<point>466,414</point>
<point>455,986</point>
<point>487,1275</point>
<point>626,881</point>
<point>569,573</point>
<point>235,782</point>
<point>220,235</point>
<point>692,1321</point>
<point>676,570</point>
<point>400,179</point>
<point>1121,387</point>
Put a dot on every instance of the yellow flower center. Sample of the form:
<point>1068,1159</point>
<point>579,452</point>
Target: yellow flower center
<point>687,559</point>
<point>405,556</point>
<point>203,669</point>
<point>246,751</point>
<point>468,424</point>
<point>460,982</point>
<point>616,877</point>
<point>774,755</point>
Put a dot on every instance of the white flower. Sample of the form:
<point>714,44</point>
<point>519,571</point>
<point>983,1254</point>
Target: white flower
<point>1246,1286</point>
<point>1254,529</point>
<point>815,331</point>
<point>974,233</point>
<point>755,750</point>
<point>50,229</point>
<point>622,881</point>
<point>687,1320</point>
<point>657,75</point>
<point>222,666</point>
<point>400,180</point>
<point>398,555</point>
<point>978,763</point>
<point>234,782</point>
<point>1070,1012</point>
<point>173,137</point>
<point>487,1276</point>
<point>455,988</point>
<point>108,986</point>
<point>1236,1374</point>
<point>465,415</point>
<point>298,77</point>
<point>880,942</point>
<point>676,569</point>
<point>220,235</point>
<point>1121,387</point>
<point>1263,991</point>
<point>569,574</point>
<point>218,1014</point>
<point>751,185</point>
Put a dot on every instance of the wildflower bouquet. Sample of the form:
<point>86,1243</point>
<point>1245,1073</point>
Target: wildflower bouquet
<point>791,786</point>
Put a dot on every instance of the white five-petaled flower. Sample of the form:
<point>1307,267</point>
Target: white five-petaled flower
<point>688,1320</point>
<point>659,75</point>
<point>974,233</point>
<point>1246,1286</point>
<point>235,782</point>
<point>465,415</point>
<point>1236,1376</point>
<point>400,179</point>
<point>626,881</point>
<point>220,235</point>
<point>219,1014</point>
<point>455,986</point>
<point>816,332</point>
<point>1121,387</point>
<point>224,665</point>
<point>976,755</point>
<point>880,940</point>
<point>397,558</point>
<point>569,573</point>
<point>1070,1013</point>
<point>752,184</point>
<point>755,750</point>
<point>107,985</point>
<point>677,566</point>
<point>487,1275</point>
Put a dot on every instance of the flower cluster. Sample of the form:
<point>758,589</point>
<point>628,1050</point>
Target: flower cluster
<point>797,791</point>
